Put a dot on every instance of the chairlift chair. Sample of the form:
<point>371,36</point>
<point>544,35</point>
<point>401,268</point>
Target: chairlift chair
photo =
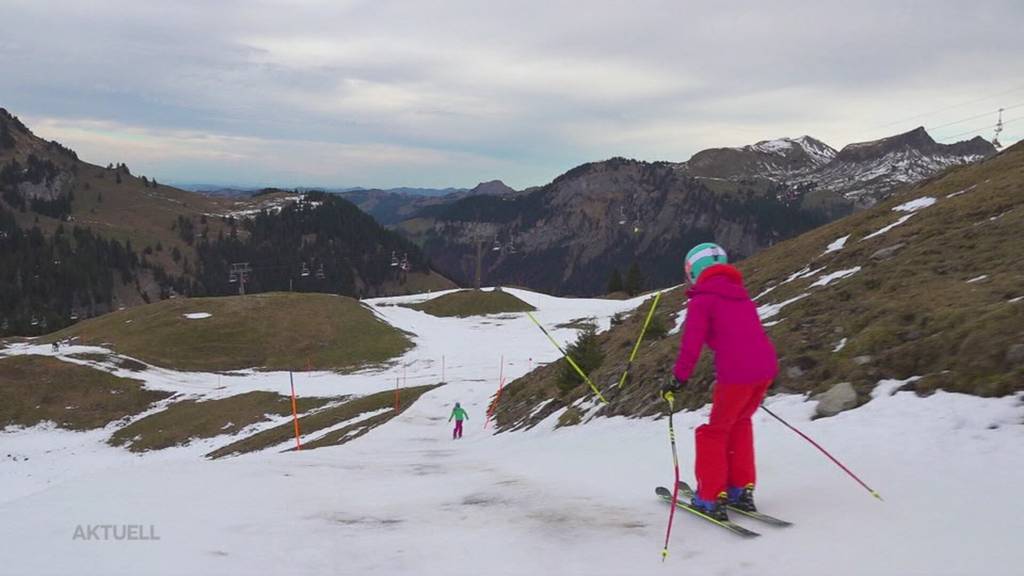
<point>305,270</point>
<point>394,259</point>
<point>320,272</point>
<point>497,244</point>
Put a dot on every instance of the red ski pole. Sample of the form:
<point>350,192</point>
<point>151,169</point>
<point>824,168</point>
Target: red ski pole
<point>823,451</point>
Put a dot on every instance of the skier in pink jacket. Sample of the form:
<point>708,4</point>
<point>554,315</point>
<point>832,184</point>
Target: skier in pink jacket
<point>721,314</point>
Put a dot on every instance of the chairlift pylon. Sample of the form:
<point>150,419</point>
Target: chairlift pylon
<point>999,130</point>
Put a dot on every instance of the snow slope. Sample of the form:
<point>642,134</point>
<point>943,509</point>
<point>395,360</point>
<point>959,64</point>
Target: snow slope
<point>406,499</point>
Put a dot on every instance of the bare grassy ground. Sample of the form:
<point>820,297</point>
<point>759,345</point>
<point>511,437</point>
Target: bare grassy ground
<point>312,423</point>
<point>273,331</point>
<point>187,420</point>
<point>35,389</point>
<point>472,303</point>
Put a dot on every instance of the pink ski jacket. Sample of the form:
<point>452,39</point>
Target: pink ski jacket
<point>721,314</point>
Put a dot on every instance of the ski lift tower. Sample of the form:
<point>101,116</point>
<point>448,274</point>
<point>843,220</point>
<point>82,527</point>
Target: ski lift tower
<point>239,273</point>
<point>999,130</point>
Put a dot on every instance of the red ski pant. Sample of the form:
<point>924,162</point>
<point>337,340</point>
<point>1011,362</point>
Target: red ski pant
<point>725,445</point>
<point>457,432</point>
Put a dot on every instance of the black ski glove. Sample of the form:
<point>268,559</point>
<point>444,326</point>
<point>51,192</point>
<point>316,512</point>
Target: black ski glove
<point>672,385</point>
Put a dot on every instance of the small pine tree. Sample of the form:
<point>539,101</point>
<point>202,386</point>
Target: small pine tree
<point>634,280</point>
<point>615,282</point>
<point>586,352</point>
<point>656,329</point>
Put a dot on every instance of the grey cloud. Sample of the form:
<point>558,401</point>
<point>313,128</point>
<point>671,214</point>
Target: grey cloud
<point>526,87</point>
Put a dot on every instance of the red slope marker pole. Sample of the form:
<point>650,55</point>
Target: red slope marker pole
<point>295,412</point>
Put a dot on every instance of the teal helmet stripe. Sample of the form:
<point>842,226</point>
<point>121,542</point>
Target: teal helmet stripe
<point>701,256</point>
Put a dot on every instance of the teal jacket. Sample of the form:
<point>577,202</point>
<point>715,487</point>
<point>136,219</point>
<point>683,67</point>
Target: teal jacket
<point>459,414</point>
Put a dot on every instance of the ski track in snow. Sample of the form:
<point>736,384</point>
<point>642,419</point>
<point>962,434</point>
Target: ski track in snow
<point>406,499</point>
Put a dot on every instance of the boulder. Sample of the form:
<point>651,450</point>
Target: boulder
<point>887,252</point>
<point>1015,355</point>
<point>838,398</point>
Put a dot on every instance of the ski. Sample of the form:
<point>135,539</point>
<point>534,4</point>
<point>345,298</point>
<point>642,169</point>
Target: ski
<point>666,495</point>
<point>685,490</point>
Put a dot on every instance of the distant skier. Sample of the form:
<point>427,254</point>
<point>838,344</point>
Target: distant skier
<point>721,314</point>
<point>459,414</point>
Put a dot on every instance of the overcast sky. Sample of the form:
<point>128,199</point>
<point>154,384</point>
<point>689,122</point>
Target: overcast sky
<point>435,94</point>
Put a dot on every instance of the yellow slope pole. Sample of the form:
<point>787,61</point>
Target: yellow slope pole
<point>636,347</point>
<point>569,360</point>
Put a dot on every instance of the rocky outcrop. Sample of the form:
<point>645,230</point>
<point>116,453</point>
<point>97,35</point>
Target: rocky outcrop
<point>568,237</point>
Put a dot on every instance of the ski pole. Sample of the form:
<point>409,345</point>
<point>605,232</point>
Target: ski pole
<point>823,451</point>
<point>670,398</point>
<point>632,355</point>
<point>569,359</point>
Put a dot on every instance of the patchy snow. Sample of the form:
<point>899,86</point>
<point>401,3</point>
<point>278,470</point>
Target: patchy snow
<point>771,310</point>
<point>915,205</point>
<point>840,345</point>
<point>766,292</point>
<point>777,146</point>
<point>1017,299</point>
<point>829,278</point>
<point>1000,215</point>
<point>837,245</point>
<point>977,279</point>
<point>889,227</point>
<point>890,387</point>
<point>198,315</point>
<point>959,192</point>
<point>804,272</point>
<point>406,499</point>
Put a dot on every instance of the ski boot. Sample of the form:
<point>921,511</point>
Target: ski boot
<point>742,498</point>
<point>713,508</point>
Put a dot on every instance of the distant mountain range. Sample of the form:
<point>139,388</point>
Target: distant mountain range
<point>231,191</point>
<point>864,172</point>
<point>569,236</point>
